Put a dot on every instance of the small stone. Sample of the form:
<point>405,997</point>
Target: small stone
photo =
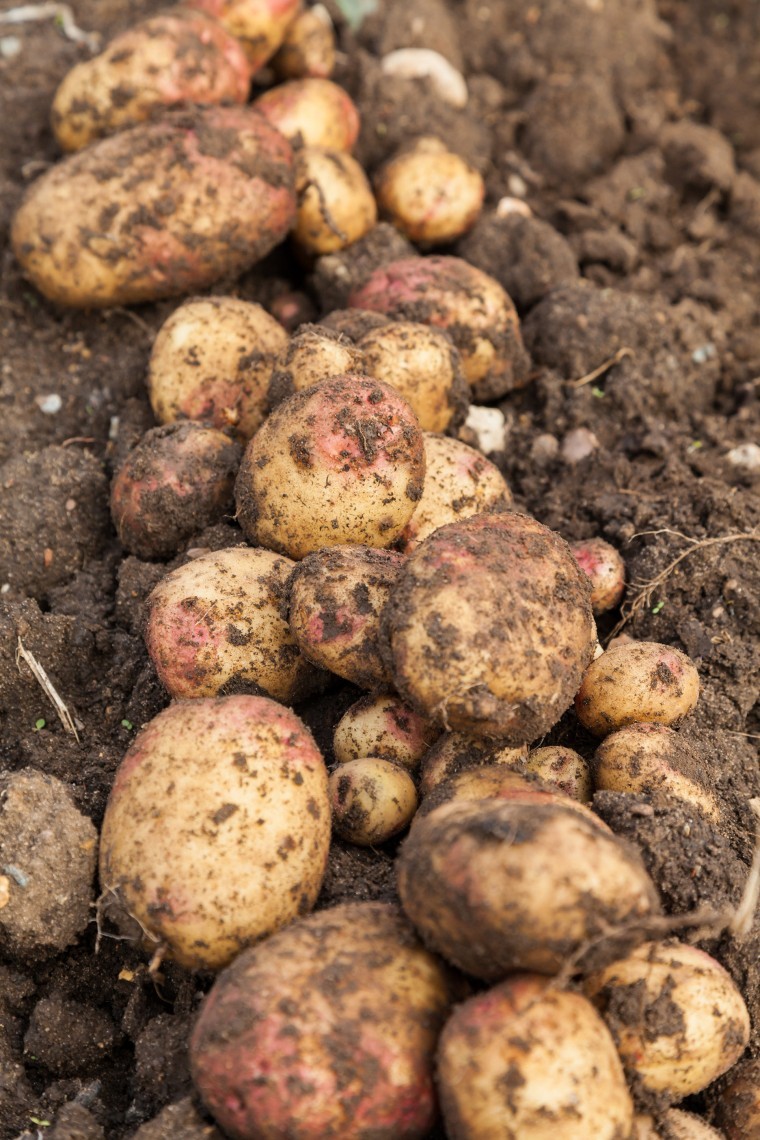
<point>422,63</point>
<point>50,405</point>
<point>746,455</point>
<point>544,448</point>
<point>10,46</point>
<point>488,426</point>
<point>578,444</point>
<point>512,206</point>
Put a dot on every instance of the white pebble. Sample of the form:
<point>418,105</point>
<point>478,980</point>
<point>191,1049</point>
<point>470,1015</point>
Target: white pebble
<point>578,444</point>
<point>704,353</point>
<point>50,405</point>
<point>422,63</point>
<point>506,206</point>
<point>10,46</point>
<point>489,426</point>
<point>544,448</point>
<point>517,185</point>
<point>746,455</point>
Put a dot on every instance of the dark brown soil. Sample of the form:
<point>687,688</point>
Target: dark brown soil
<point>635,137</point>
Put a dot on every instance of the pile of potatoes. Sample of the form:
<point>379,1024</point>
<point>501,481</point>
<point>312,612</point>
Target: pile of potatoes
<point>522,987</point>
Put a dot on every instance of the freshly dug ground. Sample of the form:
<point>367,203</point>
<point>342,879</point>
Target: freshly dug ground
<point>634,135</point>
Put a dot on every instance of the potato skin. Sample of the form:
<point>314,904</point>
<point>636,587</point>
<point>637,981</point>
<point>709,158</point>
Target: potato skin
<point>312,355</point>
<point>606,569</point>
<point>430,194</point>
<point>637,681</point>
<point>217,827</point>
<point>162,209</point>
<point>308,50</point>
<point>489,627</point>
<point>739,1103</point>
<point>562,768</point>
<point>326,1031</point>
<point>456,752</point>
<point>371,800</point>
<point>314,112</point>
<point>336,205</point>
<point>383,726</point>
<point>259,25</point>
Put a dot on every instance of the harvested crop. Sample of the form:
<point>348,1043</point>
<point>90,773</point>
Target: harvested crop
<point>383,726</point>
<point>312,112</point>
<point>637,681</point>
<point>455,752</point>
<point>259,25</point>
<point>430,194</point>
<point>308,50</point>
<point>336,205</point>
<point>371,800</point>
<point>314,353</point>
<point>562,768</point>
<point>606,569</point>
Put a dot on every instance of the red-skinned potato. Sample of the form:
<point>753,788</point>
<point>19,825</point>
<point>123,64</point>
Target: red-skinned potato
<point>430,194</point>
<point>335,597</point>
<point>217,828</point>
<point>371,800</point>
<point>308,50</point>
<point>161,209</point>
<point>177,57</point>
<point>342,462</point>
<point>215,626</point>
<point>606,569</point>
<point>497,885</point>
<point>451,294</point>
<point>312,355</point>
<point>327,1029</point>
<point>259,25</point>
<point>678,1020</point>
<point>488,628</point>
<point>336,205</point>
<point>212,361</point>
<point>312,112</point>
<point>522,1060</point>
<point>637,681</point>
<point>738,1108</point>
<point>177,480</point>
<point>383,726</point>
<point>562,768</point>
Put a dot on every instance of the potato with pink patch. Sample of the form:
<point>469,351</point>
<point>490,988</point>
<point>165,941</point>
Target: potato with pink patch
<point>217,829</point>
<point>637,681</point>
<point>606,570</point>
<point>259,25</point>
<point>562,768</point>
<point>383,726</point>
<point>312,112</point>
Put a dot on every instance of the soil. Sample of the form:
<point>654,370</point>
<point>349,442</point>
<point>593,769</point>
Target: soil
<point>634,134</point>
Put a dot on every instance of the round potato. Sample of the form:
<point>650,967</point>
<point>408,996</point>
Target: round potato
<point>217,827</point>
<point>312,112</point>
<point>431,195</point>
<point>455,752</point>
<point>371,800</point>
<point>637,681</point>
<point>739,1102</point>
<point>312,355</point>
<point>606,569</point>
<point>308,50</point>
<point>561,768</point>
<point>336,205</point>
<point>383,726</point>
<point>259,25</point>
<point>212,361</point>
<point>162,209</point>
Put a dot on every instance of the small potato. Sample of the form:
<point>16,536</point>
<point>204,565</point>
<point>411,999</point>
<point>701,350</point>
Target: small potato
<point>455,752</point>
<point>217,827</point>
<point>308,50</point>
<point>353,323</point>
<point>259,25</point>
<point>312,112</point>
<point>678,1020</point>
<point>335,597</point>
<point>459,482</point>
<point>563,769</point>
<point>676,1125</point>
<point>212,361</point>
<point>653,760</point>
<point>214,626</point>
<point>176,481</point>
<point>637,681</point>
<point>431,195</point>
<point>342,462</point>
<point>327,1029</point>
<point>313,354</point>
<point>163,209</point>
<point>606,569</point>
<point>371,800</point>
<point>522,1060</point>
<point>422,363</point>
<point>383,726</point>
<point>175,57</point>
<point>336,205</point>
<point>738,1110</point>
<point>496,885</point>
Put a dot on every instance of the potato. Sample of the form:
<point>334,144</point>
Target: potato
<point>522,1060</point>
<point>455,752</point>
<point>678,1020</point>
<point>422,363</point>
<point>371,800</point>
<point>472,307</point>
<point>176,57</point>
<point>308,50</point>
<point>336,205</point>
<point>488,628</point>
<point>217,827</point>
<point>561,768</point>
<point>459,482</point>
<point>259,25</point>
<point>738,1110</point>
<point>177,480</point>
<point>212,361</point>
<point>383,726</point>
<point>162,209</point>
<point>496,885</point>
<point>676,1125</point>
<point>312,112</point>
<point>430,194</point>
<point>335,597</point>
<point>653,760</point>
<point>637,681</point>
<point>606,569</point>
<point>214,626</point>
<point>327,1029</point>
<point>313,354</point>
<point>342,462</point>
<point>353,323</point>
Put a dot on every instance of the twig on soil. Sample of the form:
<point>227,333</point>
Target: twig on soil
<point>603,367</point>
<point>63,16</point>
<point>47,686</point>
<point>122,312</point>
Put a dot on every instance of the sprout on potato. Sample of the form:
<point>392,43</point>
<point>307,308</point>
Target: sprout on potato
<point>312,112</point>
<point>336,205</point>
<point>371,800</point>
<point>637,681</point>
<point>383,726</point>
<point>430,194</point>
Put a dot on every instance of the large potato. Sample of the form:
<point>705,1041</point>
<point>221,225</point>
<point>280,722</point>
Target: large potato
<point>158,210</point>
<point>326,1030</point>
<point>259,25</point>
<point>637,681</point>
<point>217,828</point>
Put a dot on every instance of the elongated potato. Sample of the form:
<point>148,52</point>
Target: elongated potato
<point>217,828</point>
<point>336,205</point>
<point>158,210</point>
<point>176,57</point>
<point>383,726</point>
<point>637,681</point>
<point>259,25</point>
<point>371,800</point>
<point>312,112</point>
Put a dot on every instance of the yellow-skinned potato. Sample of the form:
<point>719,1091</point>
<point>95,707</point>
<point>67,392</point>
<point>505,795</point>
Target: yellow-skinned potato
<point>431,195</point>
<point>212,361</point>
<point>383,726</point>
<point>371,800</point>
<point>606,569</point>
<point>524,1061</point>
<point>688,1024</point>
<point>637,681</point>
<point>259,25</point>
<point>313,354</point>
<point>455,752</point>
<point>177,57</point>
<point>308,50</point>
<point>738,1110</point>
<point>562,768</point>
<point>676,1125</point>
<point>312,112</point>
<point>336,205</point>
<point>217,828</point>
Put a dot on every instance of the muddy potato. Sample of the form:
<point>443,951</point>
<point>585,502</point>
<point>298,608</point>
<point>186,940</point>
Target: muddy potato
<point>312,112</point>
<point>738,1107</point>
<point>217,827</point>
<point>422,363</point>
<point>176,57</point>
<point>259,25</point>
<point>383,726</point>
<point>327,1029</point>
<point>308,50</point>
<point>161,209</point>
<point>342,462</point>
<point>313,354</point>
<point>215,626</point>
<point>371,800</point>
<point>177,480</point>
<point>212,361</point>
<point>678,1020</point>
<point>676,1125</point>
<point>562,768</point>
<point>606,569</point>
<point>430,194</point>
<point>353,323</point>
<point>336,205</point>
<point>522,1060</point>
<point>489,628</point>
<point>496,885</point>
<point>455,752</point>
<point>637,681</point>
